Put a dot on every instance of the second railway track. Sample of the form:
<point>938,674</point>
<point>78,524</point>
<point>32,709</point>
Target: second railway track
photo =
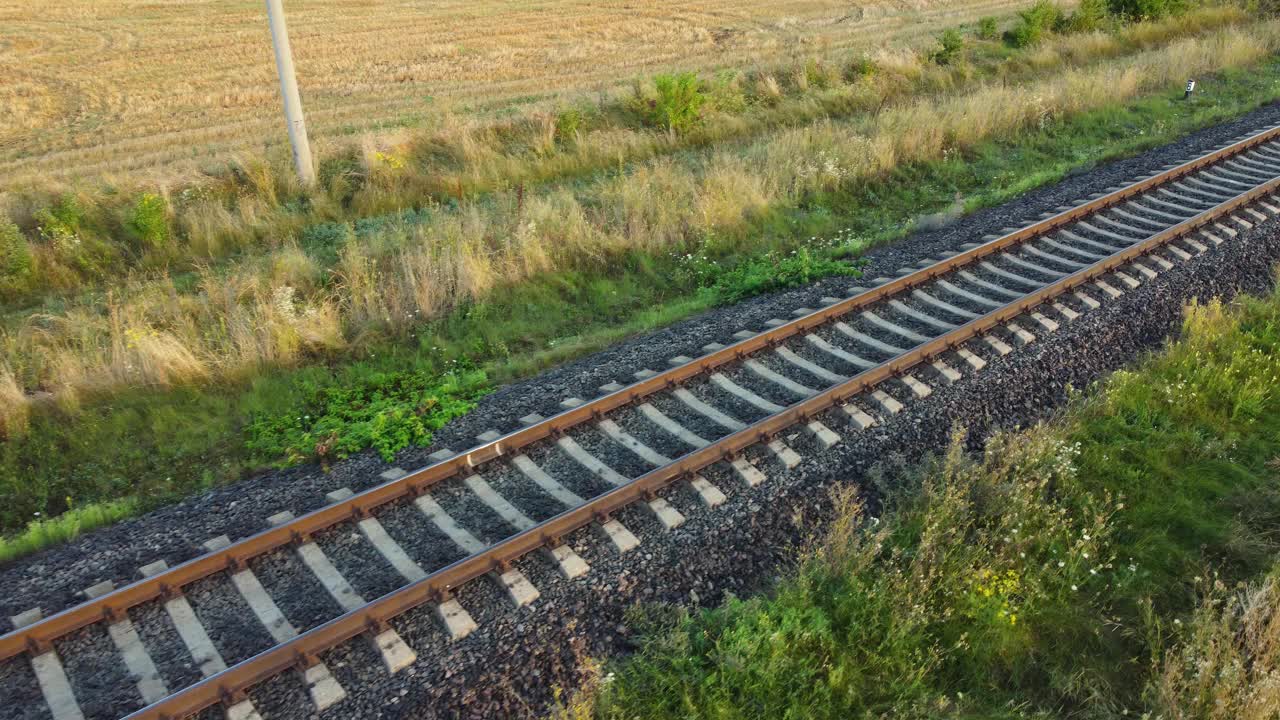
<point>829,372</point>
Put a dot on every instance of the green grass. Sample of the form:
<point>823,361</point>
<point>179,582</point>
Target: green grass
<point>1049,578</point>
<point>150,446</point>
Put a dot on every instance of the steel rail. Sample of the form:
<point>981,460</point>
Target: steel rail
<point>39,636</point>
<point>301,651</point>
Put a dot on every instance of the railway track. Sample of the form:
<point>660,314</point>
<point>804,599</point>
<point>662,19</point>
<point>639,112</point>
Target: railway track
<point>672,442</point>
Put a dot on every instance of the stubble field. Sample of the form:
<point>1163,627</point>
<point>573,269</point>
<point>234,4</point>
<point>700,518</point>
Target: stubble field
<point>164,86</point>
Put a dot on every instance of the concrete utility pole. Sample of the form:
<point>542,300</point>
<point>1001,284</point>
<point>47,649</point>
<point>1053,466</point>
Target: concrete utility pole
<point>289,90</point>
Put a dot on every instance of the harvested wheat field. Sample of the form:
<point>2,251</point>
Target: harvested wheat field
<point>116,86</point>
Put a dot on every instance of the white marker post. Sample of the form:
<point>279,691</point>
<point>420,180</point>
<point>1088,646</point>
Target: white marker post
<point>289,91</point>
<point>1191,87</point>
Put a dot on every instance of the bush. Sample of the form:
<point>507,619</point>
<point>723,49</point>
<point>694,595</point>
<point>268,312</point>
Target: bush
<point>1090,15</point>
<point>861,68</point>
<point>59,224</point>
<point>1035,23</point>
<point>767,273</point>
<point>676,104</point>
<point>988,28</point>
<point>818,75</point>
<point>15,256</point>
<point>386,411</point>
<point>726,94</point>
<point>1138,10</point>
<point>1052,574</point>
<point>951,42</point>
<point>569,123</point>
<point>149,221</point>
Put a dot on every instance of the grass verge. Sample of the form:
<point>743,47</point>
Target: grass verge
<point>1116,561</point>
<point>154,444</point>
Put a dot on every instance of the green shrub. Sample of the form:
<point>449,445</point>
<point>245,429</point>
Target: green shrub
<point>727,95</point>
<point>569,123</point>
<point>1138,10</point>
<point>950,42</point>
<point>342,176</point>
<point>59,224</point>
<point>676,104</point>
<point>861,68</point>
<point>15,256</point>
<point>386,411</point>
<point>817,75</point>
<point>1090,15</point>
<point>772,271</point>
<point>1050,575</point>
<point>149,222</point>
<point>988,28</point>
<point>1035,23</point>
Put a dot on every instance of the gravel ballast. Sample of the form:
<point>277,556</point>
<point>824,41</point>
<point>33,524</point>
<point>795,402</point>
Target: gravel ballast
<point>511,663</point>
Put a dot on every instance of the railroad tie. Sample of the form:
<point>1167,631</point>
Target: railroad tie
<point>196,639</point>
<point>697,405</point>
<point>615,433</point>
<point>671,427</point>
<point>502,507</point>
<point>593,465</point>
<point>548,484</point>
<point>809,366</point>
<point>1195,245</point>
<point>1228,232</point>
<point>519,590</point>
<point>785,456</point>
<point>838,353</point>
<point>917,388</point>
<point>923,318</point>
<point>909,335</point>
<point>1020,335</point>
<point>571,565</point>
<point>321,685</point>
<point>1045,323</point>
<point>150,684</point>
<point>996,344</point>
<point>1107,288</point>
<point>749,474</point>
<point>974,361</point>
<point>858,417</point>
<point>1143,270</point>
<point>662,510</point>
<point>1066,312</point>
<point>623,540</point>
<point>886,402</point>
<point>825,437</point>
<point>396,654</point>
<point>766,373</point>
<point>51,676</point>
<point>1131,282</point>
<point>709,494</point>
<point>948,374</point>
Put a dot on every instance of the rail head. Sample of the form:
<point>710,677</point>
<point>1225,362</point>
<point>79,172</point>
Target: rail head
<point>39,635</point>
<point>239,678</point>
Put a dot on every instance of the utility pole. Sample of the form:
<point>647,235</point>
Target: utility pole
<point>289,91</point>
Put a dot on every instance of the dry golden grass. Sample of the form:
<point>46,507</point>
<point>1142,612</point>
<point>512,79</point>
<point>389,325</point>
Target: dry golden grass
<point>1228,667</point>
<point>113,87</point>
<point>271,309</point>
